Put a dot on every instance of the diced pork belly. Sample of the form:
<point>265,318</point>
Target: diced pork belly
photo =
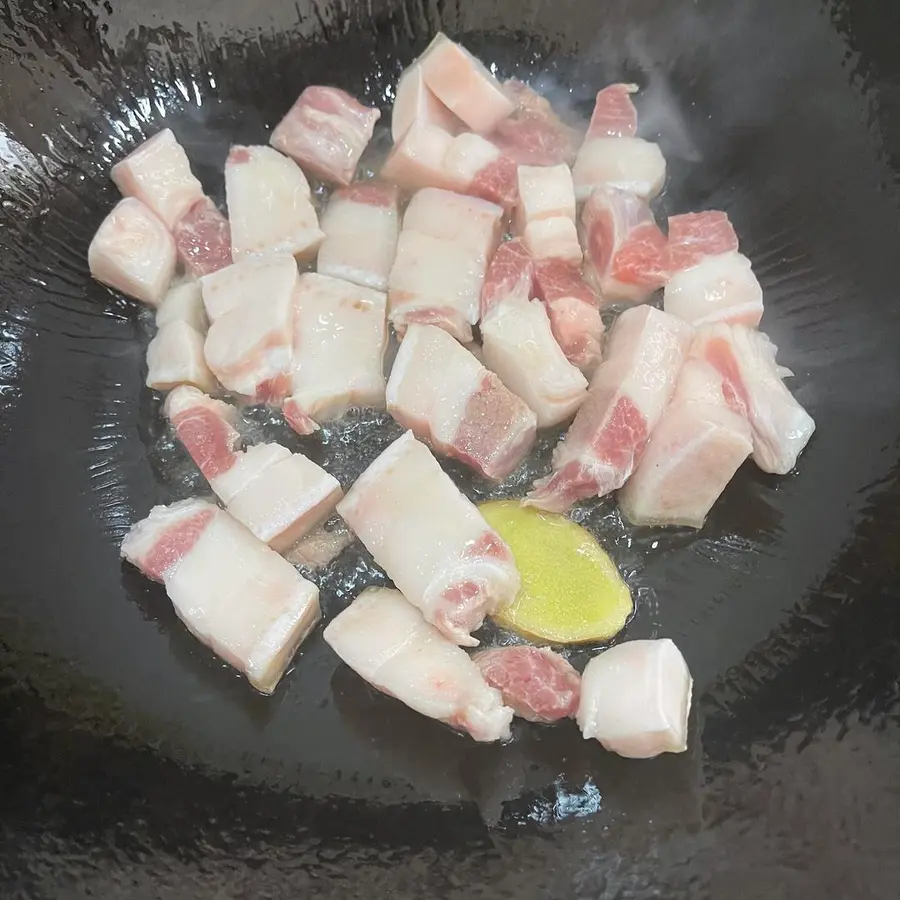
<point>611,154</point>
<point>533,134</point>
<point>175,356</point>
<point>326,131</point>
<point>636,699</point>
<point>625,251</point>
<point>518,344</point>
<point>545,192</point>
<point>414,101</point>
<point>627,397</point>
<point>754,387</point>
<point>249,347</point>
<point>248,280</point>
<point>446,396</point>
<point>286,500</point>
<point>203,239</point>
<point>482,170</point>
<point>270,205</point>
<point>510,275</point>
<point>573,309</point>
<point>432,541</point>
<point>339,340</point>
<point>235,594</point>
<point>537,683</point>
<point>463,84</point>
<point>435,282</point>
<point>710,282</point>
<point>133,252</point>
<point>361,224</point>
<point>278,495</point>
<point>388,643</point>
<point>555,238</point>
<point>158,174</point>
<point>471,221</point>
<point>206,428</point>
<point>691,456</point>
<point>183,302</point>
<point>417,160</point>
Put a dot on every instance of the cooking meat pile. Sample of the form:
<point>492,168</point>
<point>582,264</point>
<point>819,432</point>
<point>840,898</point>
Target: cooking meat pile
<point>495,243</point>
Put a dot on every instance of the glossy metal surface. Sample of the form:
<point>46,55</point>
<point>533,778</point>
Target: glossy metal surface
<point>133,764</point>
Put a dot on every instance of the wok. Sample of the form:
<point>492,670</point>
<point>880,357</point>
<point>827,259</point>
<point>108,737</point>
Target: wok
<point>134,764</point>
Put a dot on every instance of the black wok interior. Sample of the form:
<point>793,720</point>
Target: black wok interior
<point>134,764</point>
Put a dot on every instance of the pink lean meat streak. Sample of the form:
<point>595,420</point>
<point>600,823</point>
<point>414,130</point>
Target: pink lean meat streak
<point>537,683</point>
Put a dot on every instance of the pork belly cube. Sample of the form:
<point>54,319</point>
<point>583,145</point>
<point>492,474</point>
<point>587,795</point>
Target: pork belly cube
<point>414,101</point>
<point>691,456</point>
<point>518,344</point>
<point>417,159</point>
<point>286,500</point>
<point>175,356</point>
<point>510,276</point>
<point>270,205</point>
<point>625,252</point>
<point>229,288</point>
<point>387,643</point>
<point>158,173</point>
<point>361,224</point>
<point>710,282</point>
<point>133,252</point>
<point>545,192</point>
<point>533,135</point>
<point>754,387</point>
<point>611,155</point>
<point>432,542</point>
<point>538,684</point>
<point>555,238</point>
<point>203,239</point>
<point>628,395</point>
<point>479,168</point>
<point>339,341</point>
<point>445,396</point>
<point>236,595</point>
<point>249,348</point>
<point>456,217</point>
<point>326,131</point>
<point>435,282</point>
<point>573,309</point>
<point>206,428</point>
<point>463,84</point>
<point>183,302</point>
<point>636,699</point>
